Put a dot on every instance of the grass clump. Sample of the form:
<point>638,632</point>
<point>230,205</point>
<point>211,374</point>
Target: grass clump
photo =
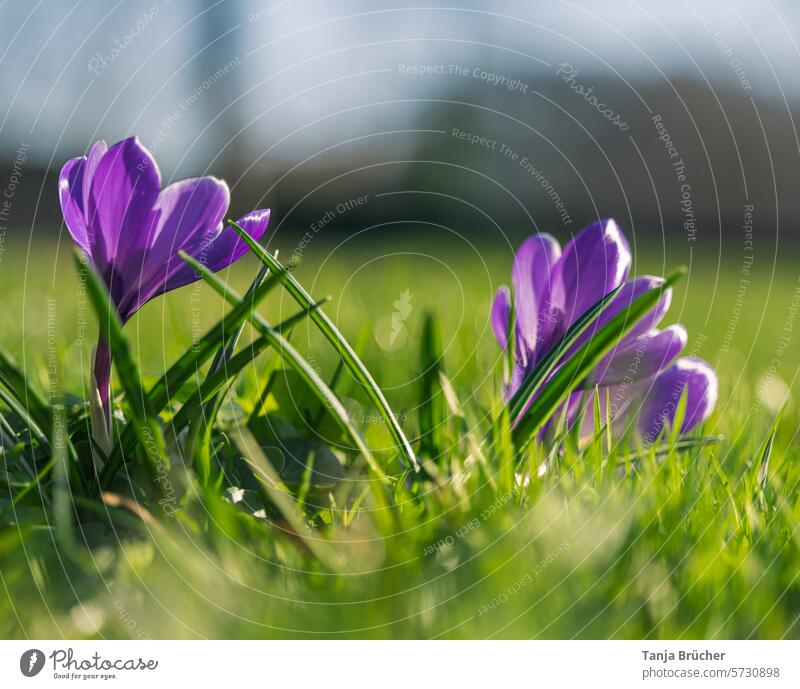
<point>259,488</point>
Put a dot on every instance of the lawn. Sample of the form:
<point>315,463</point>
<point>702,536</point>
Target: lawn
<point>692,538</point>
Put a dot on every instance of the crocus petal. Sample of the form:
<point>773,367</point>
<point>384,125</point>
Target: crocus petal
<point>643,357</point>
<point>229,247</point>
<point>124,190</point>
<point>627,295</point>
<point>225,248</point>
<point>501,312</point>
<point>70,194</point>
<point>517,376</point>
<point>630,292</point>
<point>187,217</point>
<point>594,262</point>
<point>93,158</point>
<point>534,264</point>
<point>699,380</point>
<point>132,232</point>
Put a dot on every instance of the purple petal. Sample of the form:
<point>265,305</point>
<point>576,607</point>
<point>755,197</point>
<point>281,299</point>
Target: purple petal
<point>190,213</point>
<point>694,375</point>
<point>74,186</point>
<point>501,312</point>
<point>221,251</point>
<point>630,292</point>
<point>517,376</point>
<point>643,357</point>
<point>124,190</point>
<point>95,155</point>
<point>70,194</point>
<point>594,262</point>
<point>188,216</point>
<point>229,247</point>
<point>534,264</point>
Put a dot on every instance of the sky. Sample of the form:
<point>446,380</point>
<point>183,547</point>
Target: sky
<point>188,76</point>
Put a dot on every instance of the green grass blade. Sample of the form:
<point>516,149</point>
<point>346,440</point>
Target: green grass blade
<point>581,363</point>
<point>215,382</point>
<point>764,455</point>
<point>14,379</point>
<point>198,444</point>
<point>660,449</point>
<point>186,366</point>
<point>433,406</point>
<point>284,328</point>
<point>18,407</point>
<point>726,485</point>
<point>225,375</point>
<point>348,355</point>
<point>33,410</point>
<point>303,368</point>
<point>225,352</point>
<point>305,485</point>
<point>531,384</point>
<point>28,487</point>
<point>63,511</point>
<point>266,474</point>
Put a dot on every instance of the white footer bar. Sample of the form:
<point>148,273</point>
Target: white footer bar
<point>401,664</point>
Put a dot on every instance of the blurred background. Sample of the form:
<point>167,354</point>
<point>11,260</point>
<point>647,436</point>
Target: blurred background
<point>303,104</point>
<point>423,143</point>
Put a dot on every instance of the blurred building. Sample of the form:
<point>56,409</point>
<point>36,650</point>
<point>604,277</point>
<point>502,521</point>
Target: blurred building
<point>484,117</point>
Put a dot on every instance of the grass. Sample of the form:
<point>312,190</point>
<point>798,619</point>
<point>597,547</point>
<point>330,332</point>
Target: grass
<point>335,535</point>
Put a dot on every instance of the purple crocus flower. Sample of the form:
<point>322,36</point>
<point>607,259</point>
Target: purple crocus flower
<point>132,230</point>
<point>553,288</point>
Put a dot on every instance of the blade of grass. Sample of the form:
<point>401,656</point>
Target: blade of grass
<point>185,367</point>
<point>212,385</point>
<point>13,378</point>
<point>270,376</point>
<point>28,487</point>
<point>682,445</point>
<point>38,430</point>
<point>580,364</point>
<point>63,512</point>
<point>305,485</point>
<point>188,364</point>
<point>8,438</point>
<point>346,352</point>
<point>198,443</point>
<point>726,485</point>
<point>433,406</point>
<point>225,375</point>
<point>530,385</point>
<point>268,477</point>
<point>35,408</point>
<point>764,455</point>
<point>303,368</point>
<point>16,406</point>
<point>225,352</point>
